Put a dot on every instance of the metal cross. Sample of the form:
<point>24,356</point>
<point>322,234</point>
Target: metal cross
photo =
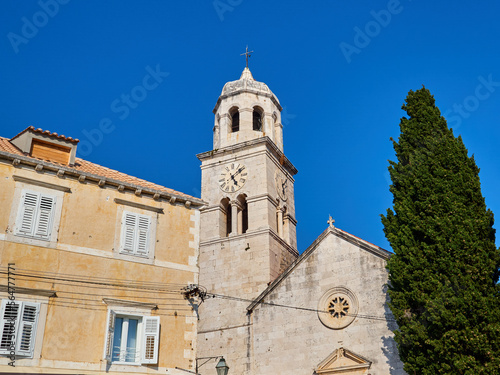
<point>330,222</point>
<point>247,54</point>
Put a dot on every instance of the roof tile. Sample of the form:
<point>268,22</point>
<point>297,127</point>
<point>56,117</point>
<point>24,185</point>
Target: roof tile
<point>85,166</point>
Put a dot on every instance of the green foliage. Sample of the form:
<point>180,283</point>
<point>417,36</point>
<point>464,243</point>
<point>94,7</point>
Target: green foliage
<point>445,267</point>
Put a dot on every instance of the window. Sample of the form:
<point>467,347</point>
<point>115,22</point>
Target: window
<point>257,119</point>
<point>242,214</point>
<point>132,339</point>
<point>36,215</point>
<point>135,234</point>
<point>235,120</point>
<point>18,324</point>
<point>226,217</point>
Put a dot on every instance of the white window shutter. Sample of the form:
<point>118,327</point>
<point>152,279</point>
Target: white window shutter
<point>8,324</point>
<point>144,223</point>
<point>25,337</point>
<point>128,232</point>
<point>44,219</point>
<point>110,335</point>
<point>28,212</point>
<point>150,339</point>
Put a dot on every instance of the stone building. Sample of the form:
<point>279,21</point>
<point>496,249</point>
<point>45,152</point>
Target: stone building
<point>269,311</point>
<point>100,259</point>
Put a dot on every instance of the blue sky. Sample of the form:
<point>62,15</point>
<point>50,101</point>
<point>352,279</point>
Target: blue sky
<point>341,70</point>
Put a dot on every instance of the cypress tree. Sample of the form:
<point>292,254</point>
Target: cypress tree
<point>445,267</point>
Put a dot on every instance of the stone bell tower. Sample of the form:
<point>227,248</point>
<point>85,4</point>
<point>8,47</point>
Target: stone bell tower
<point>248,234</point>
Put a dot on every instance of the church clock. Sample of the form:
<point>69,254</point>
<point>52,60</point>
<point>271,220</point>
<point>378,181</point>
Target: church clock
<point>233,177</point>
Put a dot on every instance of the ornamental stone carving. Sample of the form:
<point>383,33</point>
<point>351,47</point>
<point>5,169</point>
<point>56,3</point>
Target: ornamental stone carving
<point>337,308</point>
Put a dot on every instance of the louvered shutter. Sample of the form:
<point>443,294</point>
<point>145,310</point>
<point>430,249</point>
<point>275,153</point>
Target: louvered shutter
<point>28,213</point>
<point>8,324</point>
<point>25,337</point>
<point>150,339</point>
<point>44,217</point>
<point>128,232</point>
<point>110,335</point>
<point>143,226</point>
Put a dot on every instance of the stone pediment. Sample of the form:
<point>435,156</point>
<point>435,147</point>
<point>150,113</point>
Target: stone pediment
<point>343,361</point>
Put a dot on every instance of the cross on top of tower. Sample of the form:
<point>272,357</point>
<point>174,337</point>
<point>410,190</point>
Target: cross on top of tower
<point>331,222</point>
<point>247,54</point>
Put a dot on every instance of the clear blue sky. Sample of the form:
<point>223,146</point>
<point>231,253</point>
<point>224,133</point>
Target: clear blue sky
<point>340,69</point>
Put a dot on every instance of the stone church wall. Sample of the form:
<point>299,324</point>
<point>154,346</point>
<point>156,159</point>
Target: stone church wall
<point>294,341</point>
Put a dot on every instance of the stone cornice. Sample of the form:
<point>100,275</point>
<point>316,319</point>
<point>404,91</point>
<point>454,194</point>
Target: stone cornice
<point>250,91</point>
<point>249,234</point>
<point>139,205</point>
<point>278,154</point>
<point>47,185</point>
<point>30,291</point>
<point>68,172</point>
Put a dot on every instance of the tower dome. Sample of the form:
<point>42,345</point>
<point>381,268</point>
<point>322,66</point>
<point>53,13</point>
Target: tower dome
<point>246,83</point>
<point>246,110</point>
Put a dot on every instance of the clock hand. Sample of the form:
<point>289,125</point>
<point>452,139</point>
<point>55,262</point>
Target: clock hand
<point>238,171</point>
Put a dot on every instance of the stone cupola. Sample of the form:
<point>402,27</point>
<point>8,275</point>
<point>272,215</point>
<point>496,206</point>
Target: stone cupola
<point>246,110</point>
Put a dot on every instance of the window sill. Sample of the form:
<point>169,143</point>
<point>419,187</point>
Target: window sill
<point>126,363</point>
<point>30,240</point>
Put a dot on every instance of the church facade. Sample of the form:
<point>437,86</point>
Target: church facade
<point>269,310</point>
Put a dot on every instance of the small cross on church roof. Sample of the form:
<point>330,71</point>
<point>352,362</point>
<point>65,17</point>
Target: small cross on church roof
<point>331,222</point>
<point>247,54</point>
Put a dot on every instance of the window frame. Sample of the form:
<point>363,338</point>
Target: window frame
<point>20,324</point>
<point>142,340</point>
<point>39,216</point>
<point>132,246</point>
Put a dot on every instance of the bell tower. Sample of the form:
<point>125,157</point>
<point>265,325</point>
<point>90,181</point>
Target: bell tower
<point>248,227</point>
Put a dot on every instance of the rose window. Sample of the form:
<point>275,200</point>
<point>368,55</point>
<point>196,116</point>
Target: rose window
<point>338,308</point>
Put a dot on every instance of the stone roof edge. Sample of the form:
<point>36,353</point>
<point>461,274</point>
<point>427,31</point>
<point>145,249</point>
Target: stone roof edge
<point>270,95</point>
<point>252,142</point>
<point>47,133</point>
<point>112,182</point>
<point>374,249</point>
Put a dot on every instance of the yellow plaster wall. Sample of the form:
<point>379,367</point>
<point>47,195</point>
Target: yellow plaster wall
<point>75,329</point>
<point>7,186</point>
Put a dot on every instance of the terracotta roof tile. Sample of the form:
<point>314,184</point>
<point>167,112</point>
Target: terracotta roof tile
<point>48,133</point>
<point>98,170</point>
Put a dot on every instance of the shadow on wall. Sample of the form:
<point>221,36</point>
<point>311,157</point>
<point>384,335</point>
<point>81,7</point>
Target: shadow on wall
<point>390,348</point>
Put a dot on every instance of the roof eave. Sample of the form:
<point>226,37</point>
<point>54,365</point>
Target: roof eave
<point>21,159</point>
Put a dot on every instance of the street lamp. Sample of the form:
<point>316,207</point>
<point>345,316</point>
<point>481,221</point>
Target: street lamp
<point>221,367</point>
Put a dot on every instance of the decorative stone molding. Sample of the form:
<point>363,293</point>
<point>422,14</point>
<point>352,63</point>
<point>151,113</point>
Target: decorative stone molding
<point>338,308</point>
<point>47,185</point>
<point>139,205</point>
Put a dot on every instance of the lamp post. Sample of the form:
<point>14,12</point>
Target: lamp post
<point>221,367</point>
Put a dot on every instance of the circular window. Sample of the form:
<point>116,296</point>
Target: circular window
<point>337,308</point>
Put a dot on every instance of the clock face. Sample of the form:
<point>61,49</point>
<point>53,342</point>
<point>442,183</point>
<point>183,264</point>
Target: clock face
<point>281,184</point>
<point>233,177</point>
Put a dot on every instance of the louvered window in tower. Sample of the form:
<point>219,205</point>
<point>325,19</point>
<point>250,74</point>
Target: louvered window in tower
<point>135,234</point>
<point>36,214</point>
<point>18,323</point>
